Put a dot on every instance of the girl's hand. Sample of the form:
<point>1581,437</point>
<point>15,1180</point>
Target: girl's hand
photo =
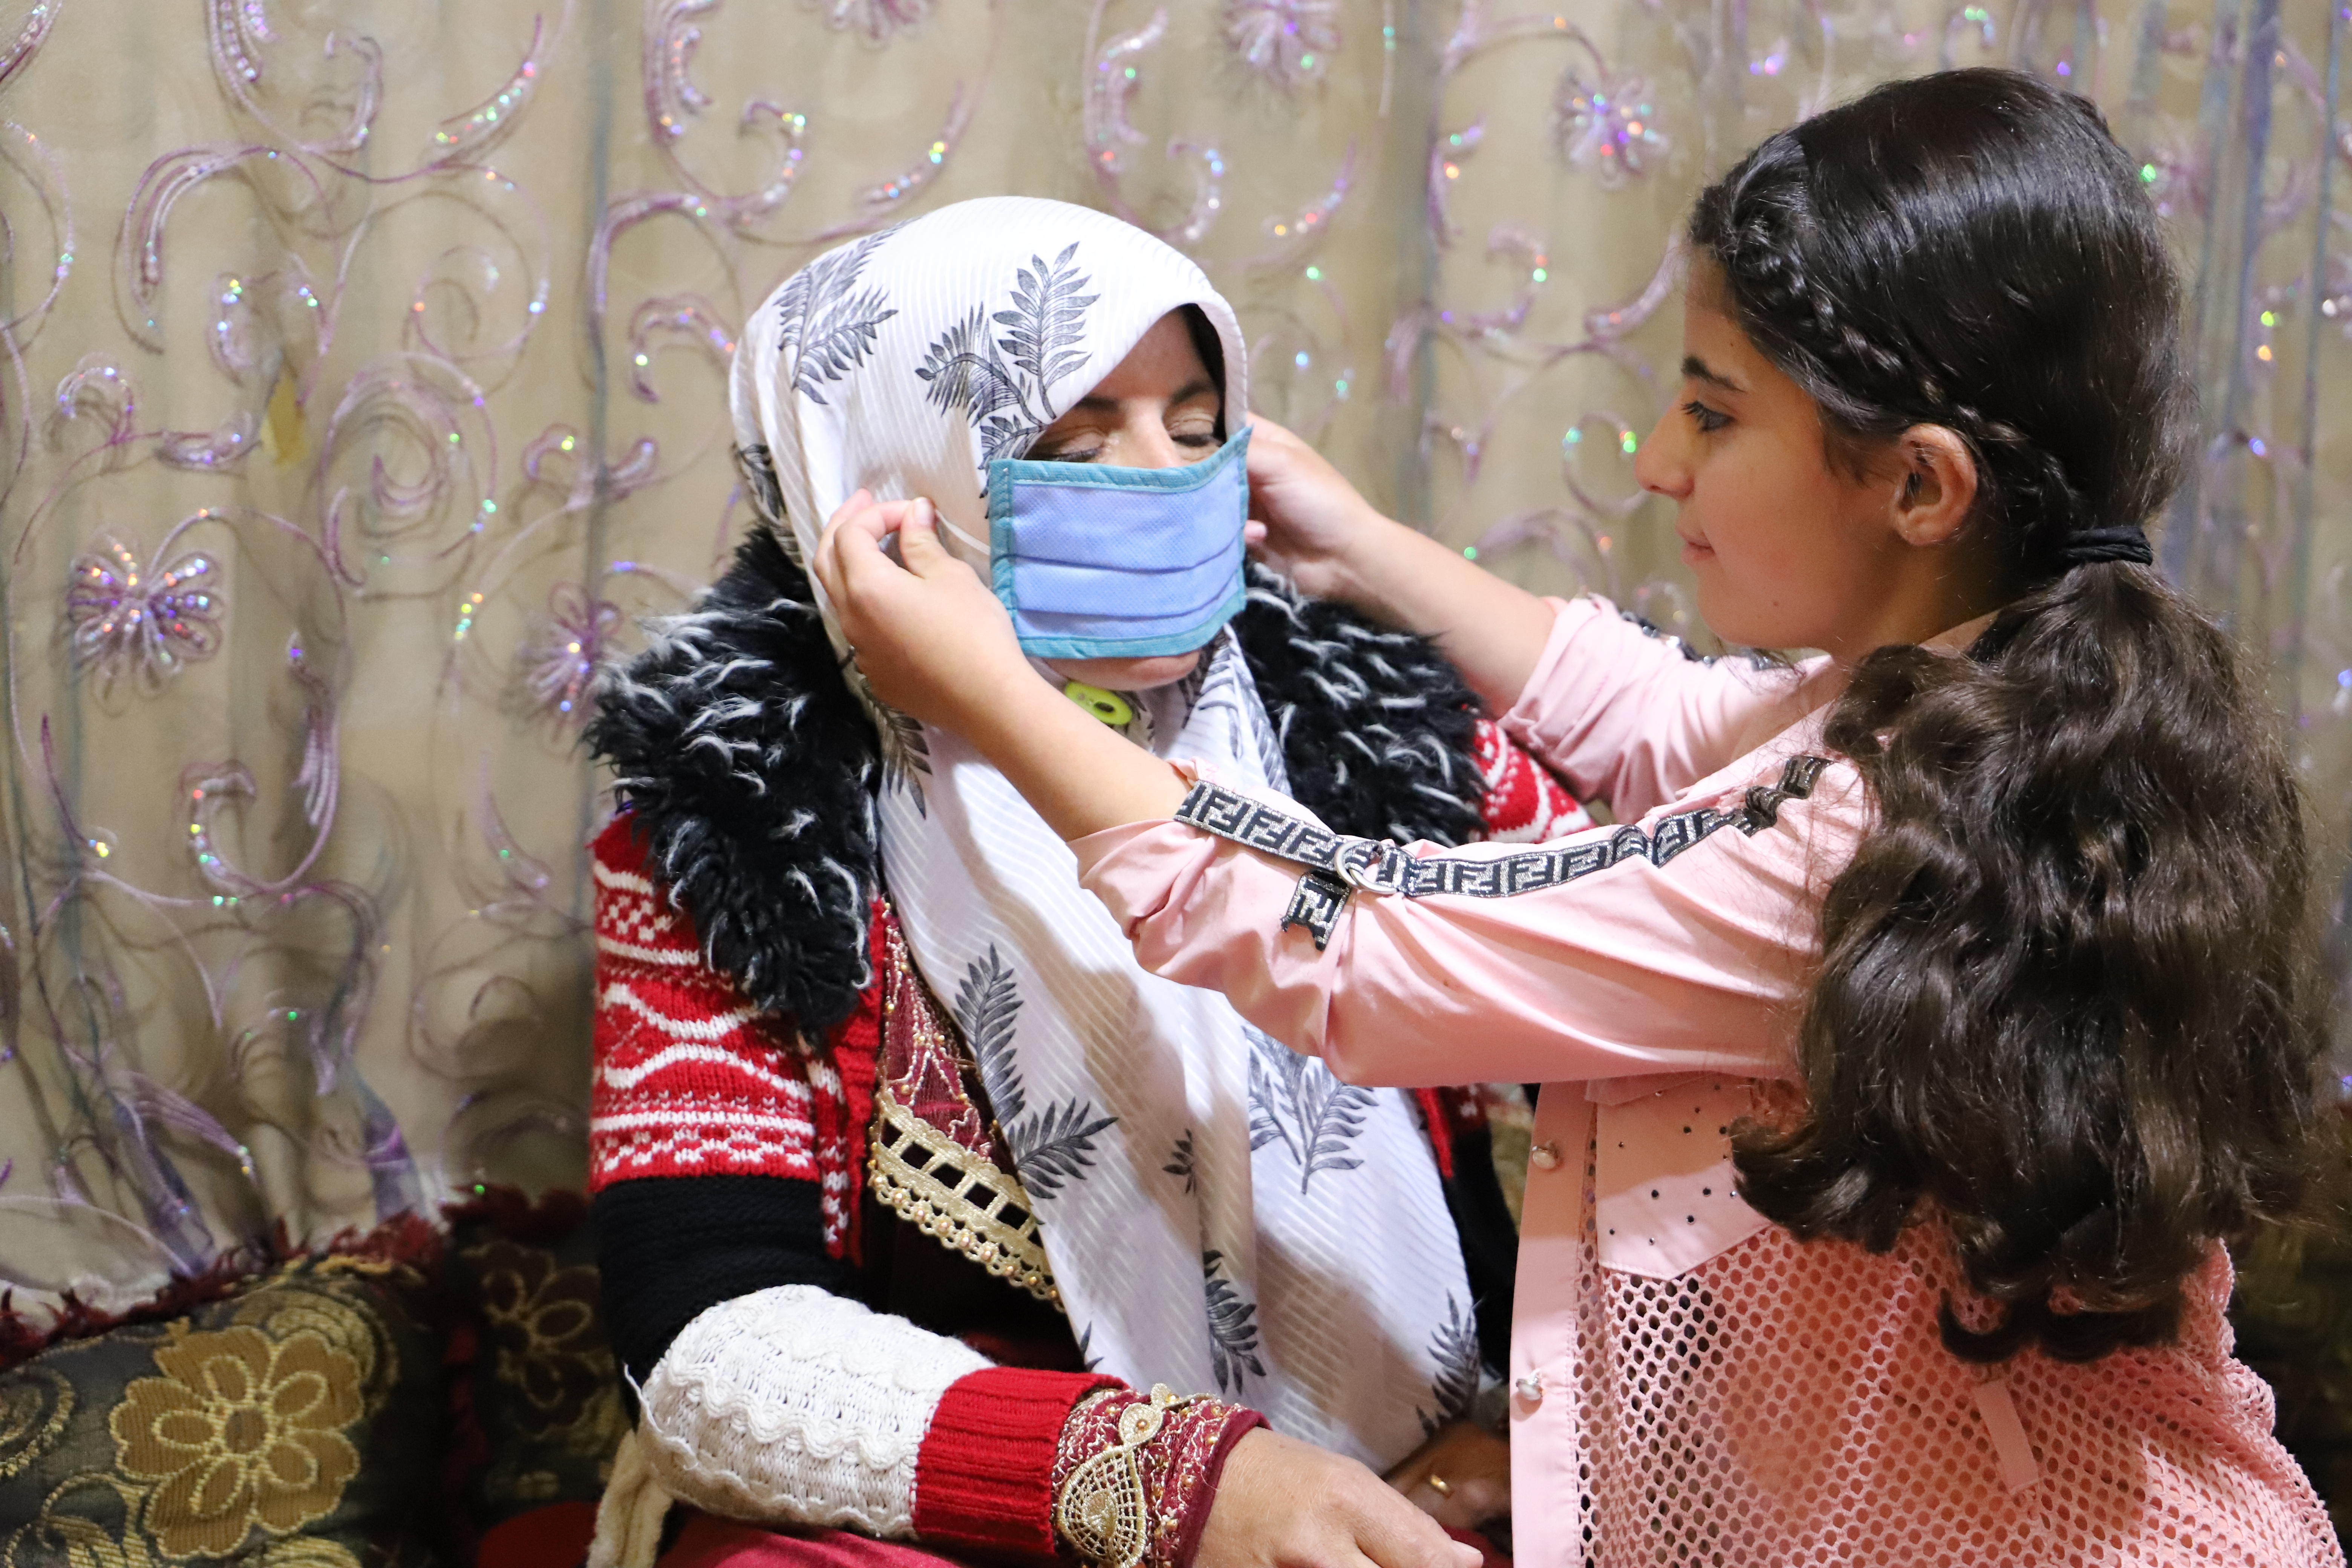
<point>1314,529</point>
<point>1473,1466</point>
<point>930,638</point>
<point>1306,521</point>
<point>1282,1503</point>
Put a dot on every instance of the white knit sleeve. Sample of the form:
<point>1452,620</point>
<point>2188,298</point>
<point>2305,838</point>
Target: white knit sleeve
<point>795,1406</point>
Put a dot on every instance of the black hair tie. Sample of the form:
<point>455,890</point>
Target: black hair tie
<point>2089,546</point>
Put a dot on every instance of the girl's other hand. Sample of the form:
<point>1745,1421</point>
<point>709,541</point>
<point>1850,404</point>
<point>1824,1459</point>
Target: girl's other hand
<point>1306,521</point>
<point>930,638</point>
<point>1282,1503</point>
<point>1314,528</point>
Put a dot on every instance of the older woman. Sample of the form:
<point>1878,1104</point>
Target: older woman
<point>926,1214</point>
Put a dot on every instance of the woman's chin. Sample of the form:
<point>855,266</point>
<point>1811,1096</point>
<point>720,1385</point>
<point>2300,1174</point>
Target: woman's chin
<point>1126,674</point>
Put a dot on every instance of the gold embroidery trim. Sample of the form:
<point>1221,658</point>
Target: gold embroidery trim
<point>1103,1510</point>
<point>910,1167</point>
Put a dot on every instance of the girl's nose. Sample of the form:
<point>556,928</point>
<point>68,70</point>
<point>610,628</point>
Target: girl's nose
<point>1662,465</point>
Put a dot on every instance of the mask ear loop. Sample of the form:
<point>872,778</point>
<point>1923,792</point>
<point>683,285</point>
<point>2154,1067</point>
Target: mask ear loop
<point>981,545</point>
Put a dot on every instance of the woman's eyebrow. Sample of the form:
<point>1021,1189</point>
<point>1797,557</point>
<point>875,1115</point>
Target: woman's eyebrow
<point>1201,387</point>
<point>1697,369</point>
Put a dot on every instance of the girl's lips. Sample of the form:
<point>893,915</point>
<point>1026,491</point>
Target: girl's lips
<point>1694,552</point>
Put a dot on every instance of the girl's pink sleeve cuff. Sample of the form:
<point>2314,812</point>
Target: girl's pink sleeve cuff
<point>1138,869</point>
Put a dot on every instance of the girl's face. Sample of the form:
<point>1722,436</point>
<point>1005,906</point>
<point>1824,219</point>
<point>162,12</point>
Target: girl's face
<point>1789,551</point>
<point>1158,409</point>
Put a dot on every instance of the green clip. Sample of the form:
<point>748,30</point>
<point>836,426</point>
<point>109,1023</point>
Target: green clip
<point>1108,706</point>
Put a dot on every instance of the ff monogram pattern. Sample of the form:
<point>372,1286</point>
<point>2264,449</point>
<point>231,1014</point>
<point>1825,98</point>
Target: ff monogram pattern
<point>1338,864</point>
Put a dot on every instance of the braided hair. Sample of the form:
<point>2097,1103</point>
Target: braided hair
<point>2069,997</point>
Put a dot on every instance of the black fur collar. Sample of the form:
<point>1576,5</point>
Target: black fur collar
<point>1377,727</point>
<point>750,769</point>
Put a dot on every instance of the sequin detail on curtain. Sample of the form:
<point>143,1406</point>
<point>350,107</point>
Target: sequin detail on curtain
<point>129,621</point>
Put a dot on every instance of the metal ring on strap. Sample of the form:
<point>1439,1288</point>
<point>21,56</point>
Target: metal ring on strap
<point>1378,854</point>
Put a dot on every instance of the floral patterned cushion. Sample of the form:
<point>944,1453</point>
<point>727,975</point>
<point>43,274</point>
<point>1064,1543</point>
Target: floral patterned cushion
<point>294,1423</point>
<point>545,1394</point>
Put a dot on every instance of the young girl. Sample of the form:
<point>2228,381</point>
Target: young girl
<point>1939,1005</point>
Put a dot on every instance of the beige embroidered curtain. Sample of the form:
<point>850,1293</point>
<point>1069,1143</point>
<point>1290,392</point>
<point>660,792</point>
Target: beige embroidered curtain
<point>364,383</point>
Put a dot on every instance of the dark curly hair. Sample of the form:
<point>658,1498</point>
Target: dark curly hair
<point>2069,998</point>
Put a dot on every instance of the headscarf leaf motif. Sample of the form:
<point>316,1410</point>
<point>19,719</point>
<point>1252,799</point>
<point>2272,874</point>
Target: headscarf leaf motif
<point>1296,1102</point>
<point>1221,1215</point>
<point>831,329</point>
<point>1058,1142</point>
<point>967,370</point>
<point>905,755</point>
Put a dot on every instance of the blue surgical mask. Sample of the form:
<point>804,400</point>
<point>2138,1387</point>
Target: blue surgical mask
<point>1098,562</point>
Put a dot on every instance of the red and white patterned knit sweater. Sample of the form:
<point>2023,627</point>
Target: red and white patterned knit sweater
<point>692,1079</point>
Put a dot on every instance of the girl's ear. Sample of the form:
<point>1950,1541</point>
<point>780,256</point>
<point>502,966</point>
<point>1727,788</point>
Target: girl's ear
<point>1937,489</point>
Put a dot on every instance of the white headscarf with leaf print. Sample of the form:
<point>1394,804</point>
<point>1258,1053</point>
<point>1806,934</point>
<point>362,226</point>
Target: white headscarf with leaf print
<point>1221,1215</point>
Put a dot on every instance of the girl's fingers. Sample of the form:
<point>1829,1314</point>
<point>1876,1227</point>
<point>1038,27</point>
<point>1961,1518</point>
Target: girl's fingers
<point>821,567</point>
<point>858,500</point>
<point>1259,424</point>
<point>918,540</point>
<point>878,520</point>
<point>858,559</point>
<point>860,497</point>
<point>857,527</point>
<point>820,561</point>
<point>848,552</point>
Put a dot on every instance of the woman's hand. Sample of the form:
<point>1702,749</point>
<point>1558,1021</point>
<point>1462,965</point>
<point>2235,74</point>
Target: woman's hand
<point>1282,1503</point>
<point>1306,521</point>
<point>1473,1466</point>
<point>930,638</point>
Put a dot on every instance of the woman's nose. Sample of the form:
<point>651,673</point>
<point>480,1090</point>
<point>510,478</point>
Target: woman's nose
<point>1661,465</point>
<point>1144,441</point>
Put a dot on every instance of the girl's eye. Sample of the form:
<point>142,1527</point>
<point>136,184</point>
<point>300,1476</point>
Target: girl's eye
<point>1709,420</point>
<point>1196,438</point>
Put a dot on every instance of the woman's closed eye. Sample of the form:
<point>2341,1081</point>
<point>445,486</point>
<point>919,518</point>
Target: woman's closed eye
<point>1709,420</point>
<point>1198,438</point>
<point>1079,446</point>
<point>1192,427</point>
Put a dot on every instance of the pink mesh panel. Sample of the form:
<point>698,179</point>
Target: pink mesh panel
<point>1789,1404</point>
